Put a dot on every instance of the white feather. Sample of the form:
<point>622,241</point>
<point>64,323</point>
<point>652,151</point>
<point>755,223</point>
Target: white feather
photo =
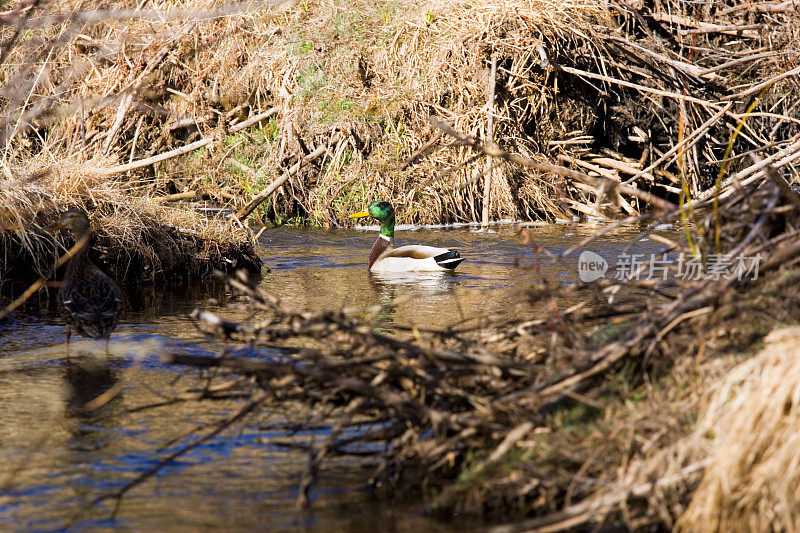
<point>392,260</point>
<point>405,264</point>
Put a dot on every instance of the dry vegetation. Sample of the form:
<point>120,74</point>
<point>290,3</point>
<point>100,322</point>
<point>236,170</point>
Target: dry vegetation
<point>208,102</point>
<point>373,71</point>
<point>580,411</point>
<point>746,440</point>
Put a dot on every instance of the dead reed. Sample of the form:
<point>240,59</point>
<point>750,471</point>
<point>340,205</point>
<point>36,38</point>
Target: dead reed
<point>748,429</point>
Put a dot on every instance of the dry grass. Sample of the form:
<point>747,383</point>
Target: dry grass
<point>380,69</point>
<point>749,427</point>
<point>47,183</point>
<point>375,70</point>
<point>735,468</point>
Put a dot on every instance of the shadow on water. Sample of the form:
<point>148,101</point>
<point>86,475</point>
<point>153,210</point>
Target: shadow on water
<point>57,455</point>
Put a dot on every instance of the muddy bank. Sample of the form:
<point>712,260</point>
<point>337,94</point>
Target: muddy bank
<point>170,255</point>
<point>138,238</point>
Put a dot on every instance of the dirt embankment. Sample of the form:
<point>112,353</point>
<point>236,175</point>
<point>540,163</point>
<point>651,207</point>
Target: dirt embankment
<point>138,238</point>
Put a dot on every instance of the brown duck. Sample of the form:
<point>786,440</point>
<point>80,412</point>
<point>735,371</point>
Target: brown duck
<point>89,300</point>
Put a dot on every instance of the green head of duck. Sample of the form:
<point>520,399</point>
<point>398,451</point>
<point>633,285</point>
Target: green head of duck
<point>381,211</point>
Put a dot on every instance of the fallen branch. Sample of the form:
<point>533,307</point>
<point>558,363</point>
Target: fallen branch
<point>178,196</point>
<point>263,195</point>
<point>637,86</point>
<point>422,152</point>
<point>707,26</point>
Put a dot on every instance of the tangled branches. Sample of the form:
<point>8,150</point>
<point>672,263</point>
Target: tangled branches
<point>431,404</point>
<point>383,389</point>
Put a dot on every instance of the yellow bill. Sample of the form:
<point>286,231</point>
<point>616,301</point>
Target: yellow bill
<point>360,214</point>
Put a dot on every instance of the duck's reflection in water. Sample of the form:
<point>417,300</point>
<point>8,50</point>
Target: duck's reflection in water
<point>428,283</point>
<point>429,289</point>
<point>91,386</point>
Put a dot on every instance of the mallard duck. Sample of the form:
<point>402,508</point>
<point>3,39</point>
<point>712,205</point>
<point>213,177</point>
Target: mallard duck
<point>385,258</point>
<point>88,299</point>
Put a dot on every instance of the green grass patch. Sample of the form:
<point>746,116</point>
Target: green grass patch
<point>310,81</point>
<point>576,417</point>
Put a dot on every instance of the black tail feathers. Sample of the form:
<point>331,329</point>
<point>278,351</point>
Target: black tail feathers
<point>450,259</point>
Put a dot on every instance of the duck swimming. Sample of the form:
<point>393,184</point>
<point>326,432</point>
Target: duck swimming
<point>415,257</point>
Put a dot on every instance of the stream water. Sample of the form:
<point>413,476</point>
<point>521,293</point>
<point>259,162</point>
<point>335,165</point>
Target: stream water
<point>54,462</point>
